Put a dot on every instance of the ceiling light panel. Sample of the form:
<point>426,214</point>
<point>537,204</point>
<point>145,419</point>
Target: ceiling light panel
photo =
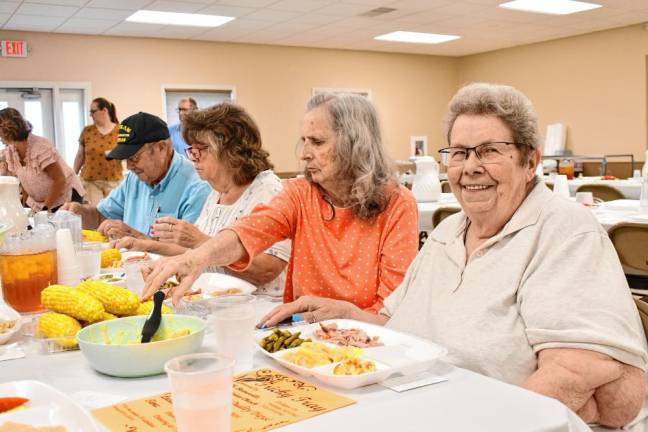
<point>415,37</point>
<point>177,18</point>
<point>551,7</point>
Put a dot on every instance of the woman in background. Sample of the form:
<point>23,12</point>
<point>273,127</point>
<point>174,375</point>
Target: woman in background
<point>98,175</point>
<point>46,180</point>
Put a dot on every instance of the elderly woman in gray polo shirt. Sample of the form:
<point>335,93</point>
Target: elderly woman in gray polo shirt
<point>522,285</point>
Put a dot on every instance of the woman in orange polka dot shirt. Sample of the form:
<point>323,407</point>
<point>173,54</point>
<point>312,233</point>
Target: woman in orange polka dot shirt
<point>353,228</point>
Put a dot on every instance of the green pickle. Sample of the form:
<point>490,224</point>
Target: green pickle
<point>279,340</point>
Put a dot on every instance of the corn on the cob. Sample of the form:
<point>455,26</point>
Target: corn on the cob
<point>115,300</point>
<point>92,235</point>
<point>146,308</point>
<point>56,325</point>
<point>110,258</point>
<point>104,317</point>
<point>72,302</point>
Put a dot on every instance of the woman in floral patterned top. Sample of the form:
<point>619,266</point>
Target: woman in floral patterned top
<point>46,180</point>
<point>99,176</point>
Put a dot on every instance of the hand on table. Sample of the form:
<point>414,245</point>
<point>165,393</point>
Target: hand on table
<point>127,242</point>
<point>115,229</point>
<point>171,230</point>
<point>312,309</point>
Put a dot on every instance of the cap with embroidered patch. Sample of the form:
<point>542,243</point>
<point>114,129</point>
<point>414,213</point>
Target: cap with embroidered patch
<point>135,131</point>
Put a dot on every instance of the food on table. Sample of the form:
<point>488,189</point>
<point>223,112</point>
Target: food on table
<point>60,326</point>
<point>111,278</point>
<point>354,367</point>
<point>146,307</point>
<point>280,340</point>
<point>9,403</point>
<point>312,354</point>
<point>107,317</point>
<point>93,236</point>
<point>110,258</point>
<point>608,177</point>
<point>346,337</point>
<point>192,297</point>
<point>169,284</point>
<point>25,276</point>
<point>228,291</point>
<point>115,300</point>
<point>20,427</point>
<point>73,302</point>
<point>135,338</point>
<point>6,325</point>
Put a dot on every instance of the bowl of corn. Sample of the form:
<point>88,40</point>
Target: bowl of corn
<point>113,347</point>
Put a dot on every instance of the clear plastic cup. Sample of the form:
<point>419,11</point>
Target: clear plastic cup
<point>89,257</point>
<point>233,321</point>
<point>134,277</point>
<point>201,389</point>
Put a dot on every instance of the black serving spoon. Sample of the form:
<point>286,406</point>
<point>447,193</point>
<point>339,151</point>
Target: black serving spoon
<point>153,321</point>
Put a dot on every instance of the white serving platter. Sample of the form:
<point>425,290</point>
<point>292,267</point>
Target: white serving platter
<point>401,353</point>
<point>214,283</point>
<point>46,407</point>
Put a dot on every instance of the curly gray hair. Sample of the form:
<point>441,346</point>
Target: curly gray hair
<point>362,163</point>
<point>504,102</point>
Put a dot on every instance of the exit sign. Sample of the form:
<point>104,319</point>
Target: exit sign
<point>13,48</point>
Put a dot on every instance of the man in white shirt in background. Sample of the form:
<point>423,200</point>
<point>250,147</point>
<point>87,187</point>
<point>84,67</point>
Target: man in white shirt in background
<point>185,106</point>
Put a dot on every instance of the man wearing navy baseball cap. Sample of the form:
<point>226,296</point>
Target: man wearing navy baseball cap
<point>160,183</point>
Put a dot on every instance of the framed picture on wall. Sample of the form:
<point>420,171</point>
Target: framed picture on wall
<point>362,92</point>
<point>418,146</point>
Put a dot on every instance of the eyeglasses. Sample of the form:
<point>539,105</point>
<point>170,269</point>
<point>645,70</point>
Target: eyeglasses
<point>487,153</point>
<point>137,156</point>
<point>179,110</point>
<point>195,153</point>
<point>94,111</point>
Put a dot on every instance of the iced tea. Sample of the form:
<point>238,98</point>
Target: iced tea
<point>25,276</point>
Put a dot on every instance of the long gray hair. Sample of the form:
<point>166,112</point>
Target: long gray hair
<point>363,166</point>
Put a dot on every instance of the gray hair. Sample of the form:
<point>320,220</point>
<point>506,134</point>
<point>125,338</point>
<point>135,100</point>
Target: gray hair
<point>503,102</point>
<point>361,160</point>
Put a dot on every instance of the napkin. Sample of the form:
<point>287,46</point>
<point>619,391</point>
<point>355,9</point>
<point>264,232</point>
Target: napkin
<point>409,382</point>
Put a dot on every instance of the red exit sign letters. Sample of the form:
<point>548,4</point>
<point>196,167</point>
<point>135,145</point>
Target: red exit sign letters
<point>13,48</point>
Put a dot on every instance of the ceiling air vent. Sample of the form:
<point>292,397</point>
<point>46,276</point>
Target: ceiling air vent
<point>378,11</point>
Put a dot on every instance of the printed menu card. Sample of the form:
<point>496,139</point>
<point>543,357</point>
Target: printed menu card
<point>263,399</point>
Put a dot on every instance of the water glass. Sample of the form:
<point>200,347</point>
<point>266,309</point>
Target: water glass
<point>232,320</point>
<point>134,277</point>
<point>89,257</point>
<point>201,390</point>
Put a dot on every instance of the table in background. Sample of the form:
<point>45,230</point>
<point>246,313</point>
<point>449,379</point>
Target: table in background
<point>631,188</point>
<point>608,213</point>
<point>466,402</point>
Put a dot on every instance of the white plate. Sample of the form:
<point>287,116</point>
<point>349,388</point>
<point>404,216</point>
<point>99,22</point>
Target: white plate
<point>126,255</point>
<point>209,282</point>
<point>401,353</point>
<point>46,407</point>
<point>9,314</point>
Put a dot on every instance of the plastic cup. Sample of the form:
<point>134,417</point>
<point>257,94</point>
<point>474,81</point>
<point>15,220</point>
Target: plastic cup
<point>89,257</point>
<point>585,198</point>
<point>134,277</point>
<point>201,389</point>
<point>636,174</point>
<point>561,187</point>
<point>233,321</point>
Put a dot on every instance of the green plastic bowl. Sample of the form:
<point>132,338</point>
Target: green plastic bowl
<point>112,347</point>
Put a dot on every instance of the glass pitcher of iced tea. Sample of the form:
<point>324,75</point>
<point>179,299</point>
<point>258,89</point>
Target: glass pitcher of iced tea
<point>27,266</point>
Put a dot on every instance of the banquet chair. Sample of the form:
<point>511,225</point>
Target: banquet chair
<point>549,185</point>
<point>601,191</point>
<point>445,187</point>
<point>642,307</point>
<point>631,243</point>
<point>442,213</point>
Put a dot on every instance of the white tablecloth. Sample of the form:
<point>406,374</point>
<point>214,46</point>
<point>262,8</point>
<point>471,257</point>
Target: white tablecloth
<point>631,188</point>
<point>608,213</point>
<point>466,402</point>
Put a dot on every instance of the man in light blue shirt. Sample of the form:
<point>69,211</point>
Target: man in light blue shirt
<point>185,106</point>
<point>160,183</point>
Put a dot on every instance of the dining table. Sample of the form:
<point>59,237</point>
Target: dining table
<point>608,213</point>
<point>465,401</point>
<point>631,187</point>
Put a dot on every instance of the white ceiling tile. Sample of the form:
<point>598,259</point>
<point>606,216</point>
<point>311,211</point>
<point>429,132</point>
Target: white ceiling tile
<point>119,4</point>
<point>315,19</point>
<point>248,3</point>
<point>100,13</point>
<point>46,10</point>
<point>300,5</point>
<point>272,15</point>
<point>33,22</point>
<point>59,2</point>
<point>225,10</point>
<point>174,6</point>
<point>135,29</point>
<point>92,25</point>
<point>180,32</point>
<point>8,7</point>
<point>344,10</point>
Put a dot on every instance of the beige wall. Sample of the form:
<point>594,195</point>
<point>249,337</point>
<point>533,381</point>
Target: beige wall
<point>273,83</point>
<point>595,83</point>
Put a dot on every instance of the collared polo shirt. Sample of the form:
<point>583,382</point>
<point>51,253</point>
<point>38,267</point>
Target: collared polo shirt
<point>181,194</point>
<point>179,144</point>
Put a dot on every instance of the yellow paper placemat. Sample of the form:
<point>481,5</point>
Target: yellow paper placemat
<point>263,399</point>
